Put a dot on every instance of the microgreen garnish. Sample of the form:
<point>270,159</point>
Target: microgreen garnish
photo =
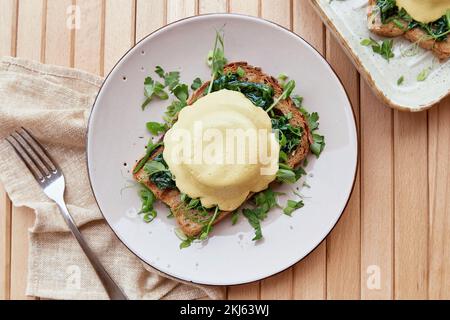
<point>216,58</point>
<point>292,206</point>
<point>318,140</point>
<point>240,72</point>
<point>171,79</point>
<point>156,128</point>
<point>289,136</point>
<point>264,201</point>
<point>400,80</point>
<point>153,167</point>
<point>181,91</point>
<point>208,228</point>
<point>289,175</point>
<point>186,241</point>
<point>288,88</point>
<point>150,148</point>
<point>153,89</point>
<point>159,173</point>
<point>196,84</point>
<point>148,199</point>
<point>384,49</point>
<point>423,75</point>
<point>298,101</point>
<point>235,218</point>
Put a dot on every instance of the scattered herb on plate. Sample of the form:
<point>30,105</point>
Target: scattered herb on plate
<point>384,48</point>
<point>293,206</point>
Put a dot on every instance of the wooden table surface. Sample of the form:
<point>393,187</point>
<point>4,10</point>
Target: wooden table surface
<point>393,241</point>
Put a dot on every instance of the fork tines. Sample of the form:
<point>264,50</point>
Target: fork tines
<point>33,154</point>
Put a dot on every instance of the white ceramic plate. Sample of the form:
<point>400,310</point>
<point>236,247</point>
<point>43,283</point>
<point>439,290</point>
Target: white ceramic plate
<point>117,136</point>
<point>348,20</point>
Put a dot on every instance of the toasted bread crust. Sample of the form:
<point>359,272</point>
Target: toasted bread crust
<point>172,198</point>
<point>440,49</point>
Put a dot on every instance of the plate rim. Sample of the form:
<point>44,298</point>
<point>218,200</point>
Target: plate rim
<point>357,133</point>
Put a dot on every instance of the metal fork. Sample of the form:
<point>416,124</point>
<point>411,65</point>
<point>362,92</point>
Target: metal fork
<point>51,180</point>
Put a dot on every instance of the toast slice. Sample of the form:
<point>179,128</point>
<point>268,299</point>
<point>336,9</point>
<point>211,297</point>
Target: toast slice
<point>441,49</point>
<point>191,222</point>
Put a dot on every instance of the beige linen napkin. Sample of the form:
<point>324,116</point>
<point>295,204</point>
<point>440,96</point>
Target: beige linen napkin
<point>54,103</point>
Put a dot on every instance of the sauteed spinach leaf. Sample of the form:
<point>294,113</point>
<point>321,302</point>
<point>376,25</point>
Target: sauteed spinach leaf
<point>289,136</point>
<point>160,174</point>
<point>261,95</point>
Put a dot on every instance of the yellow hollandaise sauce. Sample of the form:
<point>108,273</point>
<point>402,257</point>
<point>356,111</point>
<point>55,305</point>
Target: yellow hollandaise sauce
<point>221,149</point>
<point>425,10</point>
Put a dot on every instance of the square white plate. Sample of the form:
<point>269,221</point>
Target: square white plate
<point>348,21</point>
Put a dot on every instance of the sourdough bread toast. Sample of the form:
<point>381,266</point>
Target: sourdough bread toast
<point>191,222</point>
<point>440,49</point>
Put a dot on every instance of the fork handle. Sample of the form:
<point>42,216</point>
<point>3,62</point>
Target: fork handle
<point>113,290</point>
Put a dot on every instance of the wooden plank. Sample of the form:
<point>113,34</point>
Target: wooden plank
<point>8,16</point>
<point>21,220</point>
<point>279,286</point>
<point>30,44</point>
<point>439,187</point>
<point>245,292</point>
<point>377,189</point>
<point>58,37</point>
<point>156,9</point>
<point>343,244</point>
<point>309,276</point>
<point>178,9</point>
<point>249,7</point>
<point>278,11</point>
<point>249,291</point>
<point>411,205</point>
<point>119,37</point>
<point>5,244</point>
<point>89,37</point>
<point>30,30</point>
<point>212,6</point>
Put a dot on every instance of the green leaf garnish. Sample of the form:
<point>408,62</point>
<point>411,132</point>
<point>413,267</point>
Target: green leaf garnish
<point>153,89</point>
<point>216,58</point>
<point>150,216</point>
<point>181,91</point>
<point>153,167</point>
<point>288,88</point>
<point>298,101</point>
<point>265,201</point>
<point>240,72</point>
<point>384,49</point>
<point>423,75</point>
<point>292,206</point>
<point>318,144</point>
<point>207,230</point>
<point>171,79</point>
<point>196,84</point>
<point>159,173</point>
<point>156,128</point>
<point>254,217</point>
<point>147,198</point>
<point>400,80</point>
<point>286,176</point>
<point>235,218</point>
<point>150,148</point>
